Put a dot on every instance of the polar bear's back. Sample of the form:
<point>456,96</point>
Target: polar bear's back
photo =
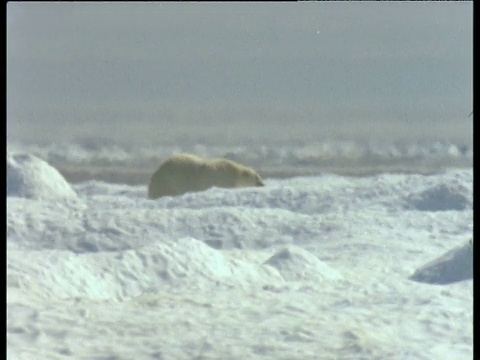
<point>181,163</point>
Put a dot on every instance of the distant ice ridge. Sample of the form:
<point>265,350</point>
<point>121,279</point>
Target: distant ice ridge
<point>325,152</point>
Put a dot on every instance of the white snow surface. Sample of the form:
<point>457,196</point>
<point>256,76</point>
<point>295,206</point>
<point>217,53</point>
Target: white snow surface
<point>318,267</point>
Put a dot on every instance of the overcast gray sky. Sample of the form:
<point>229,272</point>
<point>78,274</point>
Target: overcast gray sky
<point>91,63</point>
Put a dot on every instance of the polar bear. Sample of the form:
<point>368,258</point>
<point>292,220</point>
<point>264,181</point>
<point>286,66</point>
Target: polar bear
<point>184,173</point>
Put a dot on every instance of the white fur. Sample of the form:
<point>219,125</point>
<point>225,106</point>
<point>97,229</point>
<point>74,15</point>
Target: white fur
<point>189,173</point>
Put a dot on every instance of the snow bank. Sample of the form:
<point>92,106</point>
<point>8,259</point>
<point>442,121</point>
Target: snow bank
<point>453,266</point>
<point>105,152</point>
<point>31,177</point>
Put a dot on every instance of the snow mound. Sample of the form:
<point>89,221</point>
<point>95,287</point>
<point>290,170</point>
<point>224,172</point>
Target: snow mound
<point>121,275</point>
<point>453,266</point>
<point>440,198</point>
<point>189,260</point>
<point>297,264</point>
<point>31,177</point>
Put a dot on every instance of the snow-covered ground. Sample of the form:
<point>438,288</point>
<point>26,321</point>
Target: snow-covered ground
<point>317,267</point>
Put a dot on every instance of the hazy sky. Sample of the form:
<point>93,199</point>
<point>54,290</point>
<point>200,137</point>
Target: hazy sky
<point>98,64</point>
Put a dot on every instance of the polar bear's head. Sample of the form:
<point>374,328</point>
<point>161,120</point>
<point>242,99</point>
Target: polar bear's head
<point>249,177</point>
